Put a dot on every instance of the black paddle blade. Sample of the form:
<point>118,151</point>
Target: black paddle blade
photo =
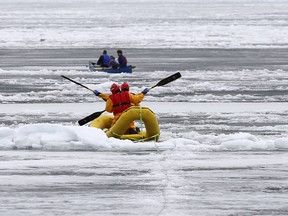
<point>168,79</point>
<point>90,118</point>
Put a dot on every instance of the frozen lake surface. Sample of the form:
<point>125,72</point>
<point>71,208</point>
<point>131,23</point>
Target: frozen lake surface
<point>224,155</point>
<point>223,148</point>
<point>144,183</point>
<point>144,24</point>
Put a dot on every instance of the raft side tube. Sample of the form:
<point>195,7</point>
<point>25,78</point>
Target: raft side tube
<point>131,114</point>
<point>102,122</point>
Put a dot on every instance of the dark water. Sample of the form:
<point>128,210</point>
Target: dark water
<point>152,59</point>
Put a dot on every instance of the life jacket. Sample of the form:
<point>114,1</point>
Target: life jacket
<point>121,102</point>
<point>122,61</point>
<point>106,60</point>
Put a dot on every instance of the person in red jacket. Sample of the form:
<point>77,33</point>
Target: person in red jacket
<point>125,87</point>
<point>119,101</point>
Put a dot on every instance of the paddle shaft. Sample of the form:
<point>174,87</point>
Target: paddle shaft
<point>77,83</point>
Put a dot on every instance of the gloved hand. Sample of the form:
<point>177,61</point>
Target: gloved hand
<point>145,91</point>
<point>96,92</point>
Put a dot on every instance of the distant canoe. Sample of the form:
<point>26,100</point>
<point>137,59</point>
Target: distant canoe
<point>127,69</point>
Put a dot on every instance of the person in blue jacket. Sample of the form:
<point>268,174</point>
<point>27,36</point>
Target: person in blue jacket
<point>122,61</point>
<point>104,59</point>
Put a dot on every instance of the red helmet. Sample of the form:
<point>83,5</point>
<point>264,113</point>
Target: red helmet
<point>114,88</point>
<point>125,86</point>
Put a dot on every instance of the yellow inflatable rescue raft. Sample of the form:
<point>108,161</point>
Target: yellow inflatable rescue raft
<point>134,113</point>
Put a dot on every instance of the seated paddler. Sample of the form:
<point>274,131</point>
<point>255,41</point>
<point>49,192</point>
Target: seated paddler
<point>119,101</point>
<point>104,60</point>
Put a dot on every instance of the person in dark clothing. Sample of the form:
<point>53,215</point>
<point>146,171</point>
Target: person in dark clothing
<point>113,63</point>
<point>121,59</point>
<point>104,59</point>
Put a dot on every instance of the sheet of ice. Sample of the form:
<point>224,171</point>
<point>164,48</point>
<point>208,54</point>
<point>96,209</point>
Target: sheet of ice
<point>148,184</point>
<point>182,179</point>
<point>47,86</point>
<point>167,24</point>
<point>179,132</point>
<point>71,138</point>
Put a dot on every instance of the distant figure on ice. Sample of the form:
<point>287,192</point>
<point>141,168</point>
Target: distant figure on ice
<point>104,59</point>
<point>121,59</point>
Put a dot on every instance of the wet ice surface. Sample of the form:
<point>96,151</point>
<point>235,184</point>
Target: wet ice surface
<point>207,75</point>
<point>145,183</point>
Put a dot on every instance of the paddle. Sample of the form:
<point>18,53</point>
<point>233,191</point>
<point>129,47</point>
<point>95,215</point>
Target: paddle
<point>167,80</point>
<point>90,118</point>
<point>160,83</point>
<point>77,83</point>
